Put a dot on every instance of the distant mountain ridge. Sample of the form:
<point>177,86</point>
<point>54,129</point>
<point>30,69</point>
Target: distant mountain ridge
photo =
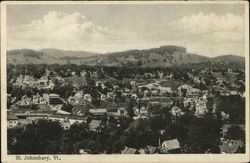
<point>163,56</point>
<point>62,53</point>
<point>230,58</point>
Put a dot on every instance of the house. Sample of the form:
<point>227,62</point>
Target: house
<point>122,111</point>
<point>12,120</point>
<point>229,70</point>
<point>79,110</point>
<point>190,91</point>
<point>162,100</point>
<point>79,81</point>
<point>141,151</point>
<point>19,79</point>
<point>77,99</point>
<point>150,86</point>
<point>100,83</point>
<point>116,87</point>
<point>83,73</point>
<point>176,111</point>
<point>151,149</point>
<point>94,125</point>
<point>63,112</point>
<point>52,99</point>
<point>144,111</point>
<point>134,96</point>
<point>140,113</point>
<point>189,102</point>
<point>224,116</point>
<point>165,89</point>
<point>87,97</point>
<point>44,84</point>
<point>98,112</point>
<point>65,124</point>
<point>35,117</point>
<point>133,83</point>
<point>25,79</point>
<point>82,151</point>
<point>71,118</point>
<point>201,107</point>
<point>149,75</point>
<point>42,106</point>
<point>111,95</point>
<point>128,150</point>
<point>230,146</point>
<point>155,93</point>
<point>170,145</point>
<point>142,101</point>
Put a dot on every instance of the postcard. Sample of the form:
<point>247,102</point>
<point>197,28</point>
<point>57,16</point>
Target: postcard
<point>124,81</point>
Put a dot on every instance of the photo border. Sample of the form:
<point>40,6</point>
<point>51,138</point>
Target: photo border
<point>117,157</point>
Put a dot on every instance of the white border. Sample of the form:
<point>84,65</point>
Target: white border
<point>123,158</point>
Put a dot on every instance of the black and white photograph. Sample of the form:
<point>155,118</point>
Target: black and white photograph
<point>129,79</point>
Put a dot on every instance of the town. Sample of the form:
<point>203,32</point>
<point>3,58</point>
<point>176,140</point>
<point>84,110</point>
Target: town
<point>80,109</point>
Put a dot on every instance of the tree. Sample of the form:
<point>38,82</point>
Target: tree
<point>129,108</point>
<point>178,131</point>
<point>12,135</point>
<point>233,105</point>
<point>37,136</point>
<point>139,63</point>
<point>139,134</point>
<point>67,107</point>
<point>78,132</point>
<point>235,133</point>
<point>204,134</point>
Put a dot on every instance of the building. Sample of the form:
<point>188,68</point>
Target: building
<point>95,125</point>
<point>151,149</point>
<point>52,99</point>
<point>12,120</point>
<point>170,146</point>
<point>70,118</point>
<point>65,124</point>
<point>128,150</point>
<point>98,112</point>
<point>122,111</point>
<point>190,91</point>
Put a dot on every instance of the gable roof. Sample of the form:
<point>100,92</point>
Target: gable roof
<point>98,111</point>
<point>128,150</point>
<point>94,124</point>
<point>171,144</point>
<point>12,117</point>
<point>151,149</point>
<point>141,151</point>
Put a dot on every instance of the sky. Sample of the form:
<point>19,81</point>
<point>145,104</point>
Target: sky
<point>205,29</point>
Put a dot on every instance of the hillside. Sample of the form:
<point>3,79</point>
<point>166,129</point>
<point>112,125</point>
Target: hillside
<point>229,58</point>
<point>66,53</point>
<point>163,56</point>
<point>48,56</point>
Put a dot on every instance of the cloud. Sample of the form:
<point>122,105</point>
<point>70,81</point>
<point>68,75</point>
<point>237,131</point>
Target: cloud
<point>211,34</point>
<point>59,30</point>
<point>206,34</point>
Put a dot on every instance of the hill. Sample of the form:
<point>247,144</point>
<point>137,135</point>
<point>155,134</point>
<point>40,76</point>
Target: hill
<point>48,56</point>
<point>66,53</point>
<point>229,58</point>
<point>164,56</point>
